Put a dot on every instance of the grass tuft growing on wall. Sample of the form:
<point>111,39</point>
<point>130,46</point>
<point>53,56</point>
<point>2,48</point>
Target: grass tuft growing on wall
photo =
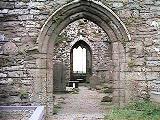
<point>141,110</point>
<point>56,109</point>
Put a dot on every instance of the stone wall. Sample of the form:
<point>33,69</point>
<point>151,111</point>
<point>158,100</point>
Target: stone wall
<point>21,22</point>
<point>136,63</point>
<point>142,52</point>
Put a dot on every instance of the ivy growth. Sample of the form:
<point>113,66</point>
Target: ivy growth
<point>23,95</point>
<point>61,37</point>
<point>131,63</point>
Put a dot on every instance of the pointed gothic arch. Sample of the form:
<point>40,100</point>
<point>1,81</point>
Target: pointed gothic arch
<point>90,10</point>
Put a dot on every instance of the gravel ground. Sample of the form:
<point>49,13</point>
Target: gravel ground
<point>86,105</point>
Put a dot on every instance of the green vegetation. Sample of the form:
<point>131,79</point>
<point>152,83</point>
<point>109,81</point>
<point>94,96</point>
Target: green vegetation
<point>23,94</point>
<point>141,110</point>
<point>131,63</point>
<point>61,38</point>
<point>107,90</point>
<point>4,62</point>
<point>56,109</point>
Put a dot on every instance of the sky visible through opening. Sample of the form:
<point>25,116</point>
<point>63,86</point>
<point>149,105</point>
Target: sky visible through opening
<point>79,60</point>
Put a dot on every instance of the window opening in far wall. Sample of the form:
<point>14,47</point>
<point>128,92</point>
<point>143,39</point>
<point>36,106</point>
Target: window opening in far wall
<point>79,60</point>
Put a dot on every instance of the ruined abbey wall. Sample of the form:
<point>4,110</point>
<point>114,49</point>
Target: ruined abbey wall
<point>20,25</point>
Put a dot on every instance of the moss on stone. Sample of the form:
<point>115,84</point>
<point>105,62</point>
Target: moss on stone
<point>4,62</point>
<point>24,95</point>
<point>108,90</point>
<point>56,109</point>
<point>106,99</point>
<point>131,63</point>
<point>60,39</point>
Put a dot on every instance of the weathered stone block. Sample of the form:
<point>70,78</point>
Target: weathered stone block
<point>123,67</point>
<point>94,80</point>
<point>4,11</point>
<point>115,75</point>
<point>2,37</point>
<point>148,42</point>
<point>154,8</point>
<point>157,2</point>
<point>14,99</point>
<point>21,5</point>
<point>118,92</point>
<point>117,5</point>
<point>153,63</point>
<point>34,12</point>
<point>16,74</point>
<point>40,17</point>
<point>115,47</point>
<point>135,76</point>
<point>3,75</point>
<point>115,56</point>
<point>36,5</point>
<point>155,69</point>
<point>10,48</point>
<point>17,39</point>
<point>14,68</point>
<point>155,97</point>
<point>149,2</point>
<point>14,93</point>
<point>106,99</point>
<point>118,84</point>
<point>25,17</point>
<point>146,14</point>
<point>152,75</point>
<point>135,13</point>
<point>5,5</point>
<point>18,11</point>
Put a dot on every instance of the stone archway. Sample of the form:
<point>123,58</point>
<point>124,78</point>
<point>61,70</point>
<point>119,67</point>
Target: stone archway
<point>95,12</point>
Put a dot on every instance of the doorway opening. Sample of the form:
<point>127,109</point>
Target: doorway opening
<point>95,12</point>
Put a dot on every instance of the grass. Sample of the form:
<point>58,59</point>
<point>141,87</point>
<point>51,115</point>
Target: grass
<point>56,109</point>
<point>141,110</point>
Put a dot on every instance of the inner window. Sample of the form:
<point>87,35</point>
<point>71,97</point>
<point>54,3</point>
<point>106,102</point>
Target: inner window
<point>79,60</point>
